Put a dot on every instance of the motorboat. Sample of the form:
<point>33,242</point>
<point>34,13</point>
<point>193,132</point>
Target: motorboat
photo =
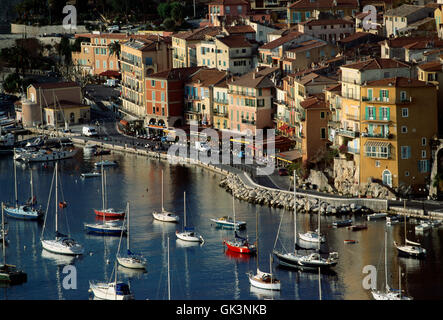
<point>342,223</point>
<point>312,236</point>
<point>375,216</point>
<point>358,227</point>
<point>105,163</point>
<point>90,174</point>
<point>228,222</point>
<point>424,226</point>
<point>43,155</point>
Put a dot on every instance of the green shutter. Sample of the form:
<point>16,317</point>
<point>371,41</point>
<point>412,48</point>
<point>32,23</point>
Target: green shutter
<point>367,113</point>
<point>380,113</point>
<point>389,113</point>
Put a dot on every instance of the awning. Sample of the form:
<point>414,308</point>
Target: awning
<point>288,156</point>
<point>110,73</point>
<point>153,126</point>
<point>377,144</point>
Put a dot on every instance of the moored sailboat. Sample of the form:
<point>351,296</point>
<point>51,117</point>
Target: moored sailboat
<point>164,215</point>
<point>188,233</point>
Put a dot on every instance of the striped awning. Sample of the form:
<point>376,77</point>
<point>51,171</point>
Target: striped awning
<point>377,144</point>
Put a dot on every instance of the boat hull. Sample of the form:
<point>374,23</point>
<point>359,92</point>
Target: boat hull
<point>308,238</point>
<point>56,246</point>
<point>405,251</point>
<point>250,249</point>
<point>165,217</point>
<point>109,213</point>
<point>20,213</point>
<point>258,282</point>
<point>106,291</point>
<point>11,276</point>
<point>187,236</point>
<point>287,259</point>
<point>131,262</point>
<point>103,229</point>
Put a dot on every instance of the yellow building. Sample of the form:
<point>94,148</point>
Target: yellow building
<point>138,59</point>
<point>398,119</point>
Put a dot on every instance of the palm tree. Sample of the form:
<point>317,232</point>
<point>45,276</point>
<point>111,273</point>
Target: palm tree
<point>114,48</point>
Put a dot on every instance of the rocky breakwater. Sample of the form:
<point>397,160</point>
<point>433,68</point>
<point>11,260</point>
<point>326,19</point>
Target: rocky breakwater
<point>278,199</point>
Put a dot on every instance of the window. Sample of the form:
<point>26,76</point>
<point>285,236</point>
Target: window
<point>384,94</point>
<point>163,96</point>
<point>323,133</point>
<point>423,153</point>
<point>423,166</point>
<point>404,112</point>
<point>260,103</point>
<point>163,84</point>
<point>370,113</point>
<point>423,141</point>
<point>104,64</point>
<point>322,115</point>
<point>387,178</point>
<point>239,9</point>
<point>406,173</point>
<point>404,129</point>
<point>153,95</point>
<point>228,9</point>
<point>111,65</point>
<point>259,92</point>
<point>384,113</point>
<point>152,83</point>
<point>377,163</point>
<point>97,64</point>
<point>403,96</point>
<point>405,152</point>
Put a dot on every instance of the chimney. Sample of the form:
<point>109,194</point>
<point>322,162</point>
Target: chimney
<point>253,75</point>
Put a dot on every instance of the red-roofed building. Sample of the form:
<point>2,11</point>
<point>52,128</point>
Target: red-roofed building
<point>222,8</point>
<point>302,10</point>
<point>330,30</point>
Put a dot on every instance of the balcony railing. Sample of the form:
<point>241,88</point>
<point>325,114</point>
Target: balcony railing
<point>192,110</point>
<point>193,98</point>
<point>352,117</point>
<point>220,113</point>
<point>376,99</point>
<point>222,101</point>
<point>377,135</point>
<point>378,154</point>
<point>348,133</point>
<point>246,121</point>
<point>242,93</point>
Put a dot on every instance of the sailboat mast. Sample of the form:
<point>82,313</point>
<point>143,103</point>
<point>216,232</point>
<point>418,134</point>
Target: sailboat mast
<point>32,189</point>
<point>256,235</point>
<point>386,260</point>
<point>319,283</point>
<point>233,210</point>
<point>128,237</point>
<point>3,236</point>
<point>15,182</point>
<point>163,209</point>
<point>56,197</point>
<point>184,209</point>
<point>295,213</point>
<point>399,280</point>
<point>169,277</point>
<point>319,234</point>
<point>103,189</point>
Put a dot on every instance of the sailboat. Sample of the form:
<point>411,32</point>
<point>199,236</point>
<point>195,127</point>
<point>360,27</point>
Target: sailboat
<point>389,294</point>
<point>9,273</point>
<point>130,260</point>
<point>61,244</point>
<point>111,290</point>
<point>26,211</point>
<point>107,212</point>
<point>239,244</point>
<point>293,259</point>
<point>410,248</point>
<point>164,215</point>
<point>188,234</point>
<point>263,280</point>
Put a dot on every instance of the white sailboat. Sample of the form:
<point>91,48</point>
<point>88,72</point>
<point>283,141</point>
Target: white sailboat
<point>188,233</point>
<point>111,290</point>
<point>389,294</point>
<point>61,244</point>
<point>26,211</point>
<point>164,215</point>
<point>130,260</point>
<point>410,248</point>
<point>263,280</point>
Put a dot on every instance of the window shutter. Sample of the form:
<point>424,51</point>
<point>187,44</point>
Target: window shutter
<point>380,112</point>
<point>409,152</point>
<point>389,113</point>
<point>366,113</point>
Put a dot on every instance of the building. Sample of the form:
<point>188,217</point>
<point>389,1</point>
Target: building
<point>304,54</point>
<point>353,76</point>
<point>222,8</point>
<point>227,53</point>
<point>199,96</point>
<point>303,10</point>
<point>432,72</point>
<point>220,104</point>
<point>272,53</point>
<point>140,58</point>
<point>54,104</point>
<point>398,19</point>
<point>165,98</point>
<point>183,45</point>
<point>410,49</point>
<point>314,128</point>
<point>330,30</point>
<point>396,131</point>
<point>250,100</point>
<point>95,56</point>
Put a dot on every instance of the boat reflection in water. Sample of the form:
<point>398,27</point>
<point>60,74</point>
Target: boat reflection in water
<point>237,256</point>
<point>59,259</point>
<point>264,294</point>
<point>187,244</point>
<point>131,273</point>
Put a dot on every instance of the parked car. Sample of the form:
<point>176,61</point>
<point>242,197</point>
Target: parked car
<point>283,172</point>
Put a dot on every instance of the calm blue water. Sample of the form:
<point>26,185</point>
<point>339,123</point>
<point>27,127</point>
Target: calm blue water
<point>197,272</point>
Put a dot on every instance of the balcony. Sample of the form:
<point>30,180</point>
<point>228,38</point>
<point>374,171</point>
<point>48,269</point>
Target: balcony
<point>377,135</point>
<point>242,93</point>
<point>192,110</point>
<point>376,99</point>
<point>131,62</point>
<point>220,113</point>
<point>221,101</point>
<point>193,98</point>
<point>352,117</point>
<point>348,133</point>
<point>246,121</point>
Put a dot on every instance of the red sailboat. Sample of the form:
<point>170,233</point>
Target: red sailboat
<point>239,244</point>
<point>107,212</point>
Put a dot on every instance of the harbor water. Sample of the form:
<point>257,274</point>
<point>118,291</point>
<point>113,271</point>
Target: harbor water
<point>198,272</point>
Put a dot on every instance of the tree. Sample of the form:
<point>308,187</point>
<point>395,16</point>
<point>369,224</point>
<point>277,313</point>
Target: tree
<point>164,10</point>
<point>12,83</point>
<point>177,10</point>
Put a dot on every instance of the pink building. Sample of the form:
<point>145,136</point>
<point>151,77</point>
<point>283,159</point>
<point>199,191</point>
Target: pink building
<point>223,8</point>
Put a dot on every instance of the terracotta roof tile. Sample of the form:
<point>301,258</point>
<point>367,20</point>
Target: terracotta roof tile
<point>431,66</point>
<point>399,82</point>
<point>376,63</point>
<point>323,4</point>
<point>282,40</point>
